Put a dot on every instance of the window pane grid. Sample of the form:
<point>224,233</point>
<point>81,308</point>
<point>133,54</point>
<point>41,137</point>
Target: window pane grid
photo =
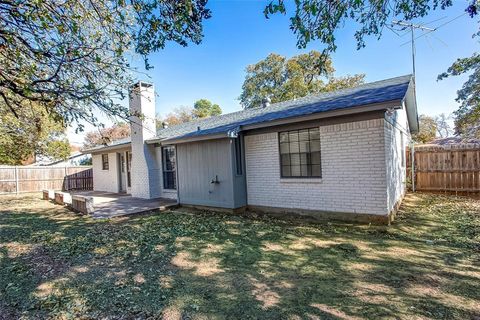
<point>300,153</point>
<point>169,168</point>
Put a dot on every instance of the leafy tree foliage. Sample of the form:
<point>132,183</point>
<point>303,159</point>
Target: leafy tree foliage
<point>204,108</point>
<point>428,129</point>
<point>467,117</point>
<point>320,19</point>
<point>106,135</point>
<point>71,56</point>
<point>33,131</point>
<point>281,79</point>
<point>179,115</point>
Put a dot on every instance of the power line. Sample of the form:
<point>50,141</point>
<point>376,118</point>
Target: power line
<point>436,28</point>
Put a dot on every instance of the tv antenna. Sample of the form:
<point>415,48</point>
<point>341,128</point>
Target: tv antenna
<point>413,27</point>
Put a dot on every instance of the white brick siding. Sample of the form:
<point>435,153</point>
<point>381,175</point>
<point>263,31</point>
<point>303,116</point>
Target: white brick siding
<point>353,171</point>
<point>105,180</point>
<point>108,180</point>
<point>396,170</point>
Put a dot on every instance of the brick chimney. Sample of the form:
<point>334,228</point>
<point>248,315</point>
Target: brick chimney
<point>142,125</point>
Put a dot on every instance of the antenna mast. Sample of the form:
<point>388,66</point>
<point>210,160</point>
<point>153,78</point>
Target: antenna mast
<point>412,27</point>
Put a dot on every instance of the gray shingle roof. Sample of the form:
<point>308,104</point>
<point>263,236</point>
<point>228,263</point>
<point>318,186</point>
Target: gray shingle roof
<point>369,93</point>
<point>365,94</point>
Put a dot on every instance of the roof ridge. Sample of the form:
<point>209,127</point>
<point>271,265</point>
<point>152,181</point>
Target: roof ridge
<point>273,106</point>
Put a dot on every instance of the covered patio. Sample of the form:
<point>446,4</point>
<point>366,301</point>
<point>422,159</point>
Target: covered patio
<point>110,205</point>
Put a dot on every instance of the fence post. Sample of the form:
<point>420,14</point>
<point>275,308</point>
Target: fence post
<point>17,185</point>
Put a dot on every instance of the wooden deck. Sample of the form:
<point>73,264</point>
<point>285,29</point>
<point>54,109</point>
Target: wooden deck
<point>110,205</point>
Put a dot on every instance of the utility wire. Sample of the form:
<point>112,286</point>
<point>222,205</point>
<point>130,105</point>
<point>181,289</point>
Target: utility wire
<point>436,28</point>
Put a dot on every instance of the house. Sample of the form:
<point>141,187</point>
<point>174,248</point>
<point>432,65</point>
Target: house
<point>338,155</point>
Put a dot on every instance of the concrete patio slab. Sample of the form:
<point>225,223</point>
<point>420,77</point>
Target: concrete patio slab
<point>110,205</point>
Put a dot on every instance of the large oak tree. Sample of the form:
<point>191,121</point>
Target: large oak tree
<point>279,79</point>
<point>70,57</point>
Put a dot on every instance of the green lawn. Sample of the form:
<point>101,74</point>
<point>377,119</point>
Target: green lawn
<point>180,265</point>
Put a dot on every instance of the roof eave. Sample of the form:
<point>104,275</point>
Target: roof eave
<point>186,139</point>
<point>106,148</point>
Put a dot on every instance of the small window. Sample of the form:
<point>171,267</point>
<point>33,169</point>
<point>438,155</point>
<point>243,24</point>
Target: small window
<point>238,156</point>
<point>104,161</point>
<point>169,165</point>
<point>300,155</point>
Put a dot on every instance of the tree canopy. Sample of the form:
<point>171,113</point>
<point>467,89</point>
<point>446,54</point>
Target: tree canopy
<point>432,127</point>
<point>281,79</point>
<point>204,108</point>
<point>70,57</point>
<point>320,19</point>
<point>428,129</point>
<point>467,116</point>
<point>102,136</point>
<point>32,132</point>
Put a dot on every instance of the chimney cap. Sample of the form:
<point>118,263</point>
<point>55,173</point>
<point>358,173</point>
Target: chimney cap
<point>143,84</point>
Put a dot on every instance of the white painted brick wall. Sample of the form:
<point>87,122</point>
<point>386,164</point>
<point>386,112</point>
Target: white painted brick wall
<point>105,180</point>
<point>353,171</point>
<point>142,124</point>
<point>396,172</point>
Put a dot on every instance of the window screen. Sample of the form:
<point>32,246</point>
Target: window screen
<point>300,153</point>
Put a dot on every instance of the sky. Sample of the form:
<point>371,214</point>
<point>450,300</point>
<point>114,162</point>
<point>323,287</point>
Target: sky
<point>238,34</point>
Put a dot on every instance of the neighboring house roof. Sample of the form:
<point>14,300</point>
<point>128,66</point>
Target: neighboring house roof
<point>377,93</point>
<point>455,140</point>
<point>451,141</point>
<point>45,161</point>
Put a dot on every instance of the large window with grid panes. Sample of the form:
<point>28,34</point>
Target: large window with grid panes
<point>300,154</point>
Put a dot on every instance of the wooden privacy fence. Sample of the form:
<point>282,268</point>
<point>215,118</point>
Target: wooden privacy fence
<point>18,179</point>
<point>449,168</point>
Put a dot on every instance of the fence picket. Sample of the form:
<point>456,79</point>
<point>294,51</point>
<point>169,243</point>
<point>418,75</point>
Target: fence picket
<point>446,168</point>
<point>20,179</point>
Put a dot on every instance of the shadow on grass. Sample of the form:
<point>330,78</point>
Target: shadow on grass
<point>181,265</point>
